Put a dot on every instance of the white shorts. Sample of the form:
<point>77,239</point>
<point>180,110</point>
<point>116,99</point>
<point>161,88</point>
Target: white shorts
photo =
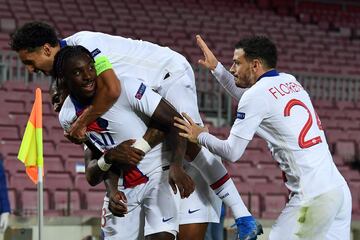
<point>152,208</point>
<point>325,217</point>
<point>202,205</point>
<point>180,90</point>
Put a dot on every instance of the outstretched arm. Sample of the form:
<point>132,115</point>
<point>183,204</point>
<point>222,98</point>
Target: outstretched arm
<point>230,149</point>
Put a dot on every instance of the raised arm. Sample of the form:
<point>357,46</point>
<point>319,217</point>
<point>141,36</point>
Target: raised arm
<point>224,77</point>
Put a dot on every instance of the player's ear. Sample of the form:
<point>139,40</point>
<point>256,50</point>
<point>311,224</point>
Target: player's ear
<point>47,49</point>
<point>256,64</point>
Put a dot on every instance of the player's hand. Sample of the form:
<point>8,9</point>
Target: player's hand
<point>190,128</point>
<point>178,179</point>
<point>124,153</point>
<point>118,203</point>
<point>210,62</point>
<point>76,132</point>
<point>4,221</point>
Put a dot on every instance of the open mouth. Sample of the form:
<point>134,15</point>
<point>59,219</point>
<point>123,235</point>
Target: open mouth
<point>89,86</point>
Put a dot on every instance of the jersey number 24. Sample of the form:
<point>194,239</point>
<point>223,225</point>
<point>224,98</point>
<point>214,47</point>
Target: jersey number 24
<point>301,139</point>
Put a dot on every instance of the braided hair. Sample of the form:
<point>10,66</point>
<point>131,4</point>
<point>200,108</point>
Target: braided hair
<point>64,55</point>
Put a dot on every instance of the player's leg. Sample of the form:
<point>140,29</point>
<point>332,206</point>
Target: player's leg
<point>308,219</point>
<point>286,224</point>
<point>200,208</point>
<point>131,226</point>
<point>161,208</point>
<point>341,226</point>
<point>180,91</point>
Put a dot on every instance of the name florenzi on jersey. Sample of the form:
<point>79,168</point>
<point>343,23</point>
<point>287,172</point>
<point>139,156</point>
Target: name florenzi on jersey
<point>284,89</point>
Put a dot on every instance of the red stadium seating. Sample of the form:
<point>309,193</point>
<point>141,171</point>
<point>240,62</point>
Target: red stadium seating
<point>67,201</point>
<point>29,201</point>
<point>94,200</point>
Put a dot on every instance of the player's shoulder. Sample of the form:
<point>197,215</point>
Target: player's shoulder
<point>255,96</point>
<point>85,37</point>
<point>83,34</point>
<point>67,111</point>
<point>254,90</point>
<point>286,76</point>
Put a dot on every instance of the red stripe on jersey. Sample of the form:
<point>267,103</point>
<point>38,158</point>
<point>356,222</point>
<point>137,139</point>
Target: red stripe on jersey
<point>94,126</point>
<point>133,177</point>
<point>220,182</point>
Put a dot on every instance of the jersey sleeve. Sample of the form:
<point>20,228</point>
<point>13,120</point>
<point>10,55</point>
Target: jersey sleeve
<point>251,111</point>
<point>141,97</point>
<point>67,114</point>
<point>231,149</point>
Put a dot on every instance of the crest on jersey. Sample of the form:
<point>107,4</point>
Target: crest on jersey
<point>95,52</point>
<point>240,115</point>
<point>140,92</point>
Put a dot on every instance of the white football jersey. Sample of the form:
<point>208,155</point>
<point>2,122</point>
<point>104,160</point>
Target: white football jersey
<point>132,58</point>
<point>280,111</point>
<point>125,120</point>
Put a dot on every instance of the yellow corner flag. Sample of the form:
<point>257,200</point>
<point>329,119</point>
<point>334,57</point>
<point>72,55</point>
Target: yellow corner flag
<point>31,149</point>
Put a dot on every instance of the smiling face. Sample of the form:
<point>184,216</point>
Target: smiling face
<point>242,69</point>
<point>80,77</point>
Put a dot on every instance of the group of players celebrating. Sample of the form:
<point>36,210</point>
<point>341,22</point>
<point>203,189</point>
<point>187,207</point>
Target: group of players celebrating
<point>133,104</point>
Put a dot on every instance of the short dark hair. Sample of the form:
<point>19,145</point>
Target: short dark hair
<point>259,47</point>
<point>33,35</point>
<point>61,57</point>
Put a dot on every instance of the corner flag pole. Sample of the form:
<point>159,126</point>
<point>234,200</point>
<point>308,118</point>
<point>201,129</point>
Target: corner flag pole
<point>40,190</point>
<point>31,154</point>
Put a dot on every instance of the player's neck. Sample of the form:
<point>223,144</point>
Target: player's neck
<point>82,101</point>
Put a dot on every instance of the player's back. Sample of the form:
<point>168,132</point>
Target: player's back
<point>132,58</point>
<point>293,130</point>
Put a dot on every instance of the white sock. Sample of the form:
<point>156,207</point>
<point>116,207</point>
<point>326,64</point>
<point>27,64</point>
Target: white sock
<point>228,193</point>
<point>217,177</point>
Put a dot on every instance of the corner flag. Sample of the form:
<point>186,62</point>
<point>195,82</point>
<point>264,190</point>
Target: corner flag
<point>31,149</point>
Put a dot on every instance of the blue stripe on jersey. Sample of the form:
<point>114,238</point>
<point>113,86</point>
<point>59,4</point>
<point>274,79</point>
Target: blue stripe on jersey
<point>104,139</point>
<point>271,73</point>
<point>78,106</point>
<point>95,139</point>
<point>110,138</point>
<point>62,43</point>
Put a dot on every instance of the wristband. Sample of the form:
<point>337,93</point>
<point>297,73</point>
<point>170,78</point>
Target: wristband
<point>102,164</point>
<point>142,145</point>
